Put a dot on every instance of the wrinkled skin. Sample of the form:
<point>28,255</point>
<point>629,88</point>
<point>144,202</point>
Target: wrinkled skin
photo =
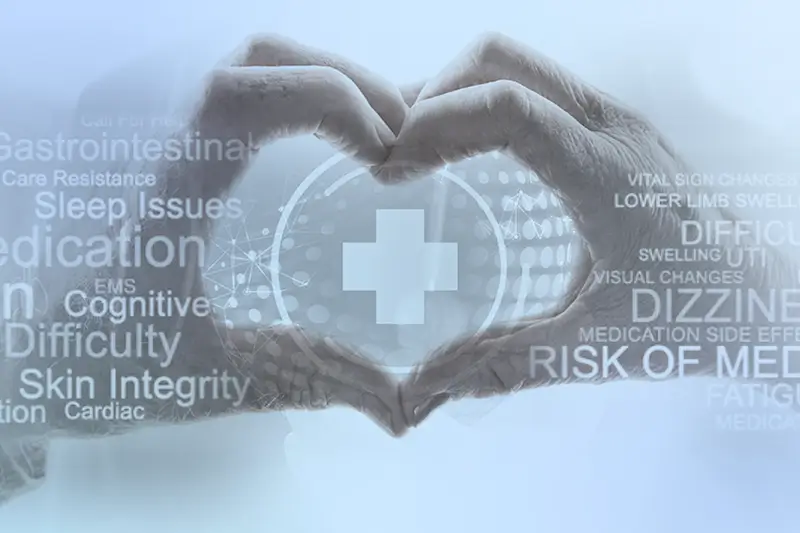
<point>498,95</point>
<point>501,95</point>
<point>275,89</point>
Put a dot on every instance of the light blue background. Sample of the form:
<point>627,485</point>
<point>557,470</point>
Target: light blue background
<point>620,458</point>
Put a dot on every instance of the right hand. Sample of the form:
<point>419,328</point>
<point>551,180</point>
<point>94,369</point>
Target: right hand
<point>501,95</point>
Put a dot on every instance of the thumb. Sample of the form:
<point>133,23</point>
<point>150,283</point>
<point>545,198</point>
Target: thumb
<point>502,360</point>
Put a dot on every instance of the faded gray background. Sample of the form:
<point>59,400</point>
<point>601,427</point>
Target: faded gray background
<point>718,77</point>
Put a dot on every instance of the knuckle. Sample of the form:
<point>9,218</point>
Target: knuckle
<point>492,44</point>
<point>492,47</point>
<point>257,44</point>
<point>510,96</point>
<point>605,111</point>
<point>336,80</point>
<point>300,382</point>
<point>221,89</point>
<point>642,125</point>
<point>221,83</point>
<point>337,91</point>
<point>270,389</point>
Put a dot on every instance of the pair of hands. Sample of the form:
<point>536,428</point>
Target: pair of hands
<point>497,95</point>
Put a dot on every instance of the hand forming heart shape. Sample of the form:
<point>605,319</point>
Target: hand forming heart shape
<point>498,95</point>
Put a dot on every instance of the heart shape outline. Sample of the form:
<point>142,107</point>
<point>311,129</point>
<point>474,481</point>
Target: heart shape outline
<point>500,95</point>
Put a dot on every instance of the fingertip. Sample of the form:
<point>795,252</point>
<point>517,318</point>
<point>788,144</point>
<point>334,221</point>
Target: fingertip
<point>398,432</point>
<point>391,174</point>
<point>399,419</point>
<point>397,170</point>
<point>396,424</point>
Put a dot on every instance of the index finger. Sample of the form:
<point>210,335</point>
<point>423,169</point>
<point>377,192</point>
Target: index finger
<point>271,103</point>
<point>494,56</point>
<point>277,51</point>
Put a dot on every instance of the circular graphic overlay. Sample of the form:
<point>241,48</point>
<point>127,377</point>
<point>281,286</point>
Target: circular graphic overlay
<point>297,198</point>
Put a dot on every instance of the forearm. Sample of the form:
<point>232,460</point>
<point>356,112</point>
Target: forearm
<point>22,466</point>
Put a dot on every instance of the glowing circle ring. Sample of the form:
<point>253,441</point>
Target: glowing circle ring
<point>283,222</point>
